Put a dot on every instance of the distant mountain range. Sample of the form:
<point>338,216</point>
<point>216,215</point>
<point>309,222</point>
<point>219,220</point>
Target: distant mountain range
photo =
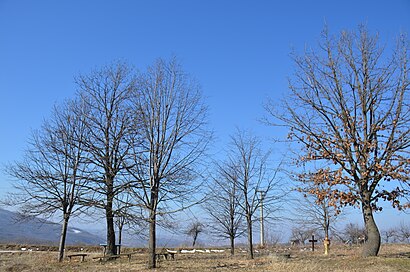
<point>40,231</point>
<point>43,232</point>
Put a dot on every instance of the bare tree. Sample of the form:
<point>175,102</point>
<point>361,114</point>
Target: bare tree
<point>354,233</point>
<point>51,177</point>
<point>166,163</point>
<point>222,204</point>
<point>194,230</point>
<point>110,125</point>
<point>273,237</point>
<point>301,233</point>
<point>349,108</point>
<point>403,232</point>
<point>253,178</point>
<point>316,210</point>
<point>390,235</point>
<point>127,215</point>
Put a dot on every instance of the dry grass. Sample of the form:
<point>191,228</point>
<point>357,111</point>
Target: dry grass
<point>391,258</point>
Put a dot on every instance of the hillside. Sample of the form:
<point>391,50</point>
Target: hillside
<point>39,231</point>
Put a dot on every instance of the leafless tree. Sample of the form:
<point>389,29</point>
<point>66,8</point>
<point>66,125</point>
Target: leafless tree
<point>194,230</point>
<point>51,177</point>
<point>403,232</point>
<point>174,136</point>
<point>348,107</point>
<point>127,215</point>
<point>390,234</point>
<point>316,210</point>
<point>253,179</point>
<point>110,125</point>
<point>222,204</point>
<point>302,233</point>
<point>354,233</point>
<point>272,236</point>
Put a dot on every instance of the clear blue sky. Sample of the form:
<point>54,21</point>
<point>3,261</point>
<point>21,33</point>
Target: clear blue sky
<point>238,51</point>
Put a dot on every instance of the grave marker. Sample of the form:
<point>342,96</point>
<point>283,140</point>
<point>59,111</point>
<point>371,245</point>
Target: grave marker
<point>313,241</point>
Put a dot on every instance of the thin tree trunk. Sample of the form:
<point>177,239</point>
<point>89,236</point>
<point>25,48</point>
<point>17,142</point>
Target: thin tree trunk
<point>119,239</point>
<point>326,232</point>
<point>326,226</point>
<point>372,245</point>
<point>232,238</point>
<point>152,240</point>
<point>250,240</point>
<point>63,238</point>
<point>195,237</point>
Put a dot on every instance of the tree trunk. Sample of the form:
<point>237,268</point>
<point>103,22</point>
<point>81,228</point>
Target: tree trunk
<point>63,238</point>
<point>194,242</point>
<point>232,238</point>
<point>111,250</point>
<point>372,244</point>
<point>152,240</point>
<point>326,226</point>
<point>250,240</point>
<point>119,239</point>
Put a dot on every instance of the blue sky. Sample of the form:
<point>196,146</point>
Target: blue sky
<point>238,51</point>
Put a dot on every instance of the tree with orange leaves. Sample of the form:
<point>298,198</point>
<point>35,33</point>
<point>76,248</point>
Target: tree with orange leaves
<point>349,110</point>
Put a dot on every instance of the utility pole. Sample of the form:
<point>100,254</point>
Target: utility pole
<point>262,235</point>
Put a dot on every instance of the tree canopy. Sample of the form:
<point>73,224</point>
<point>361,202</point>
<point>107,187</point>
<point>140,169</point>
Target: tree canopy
<point>348,109</point>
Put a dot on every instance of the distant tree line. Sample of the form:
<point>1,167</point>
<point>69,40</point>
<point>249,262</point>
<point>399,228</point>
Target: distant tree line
<point>352,234</point>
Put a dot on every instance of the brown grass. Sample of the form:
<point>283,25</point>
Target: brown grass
<point>391,258</point>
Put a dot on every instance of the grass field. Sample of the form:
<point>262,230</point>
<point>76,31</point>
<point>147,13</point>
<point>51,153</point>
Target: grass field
<point>342,258</point>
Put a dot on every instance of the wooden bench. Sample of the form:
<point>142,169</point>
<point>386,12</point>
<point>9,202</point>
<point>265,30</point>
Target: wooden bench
<point>82,255</point>
<point>171,255</point>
